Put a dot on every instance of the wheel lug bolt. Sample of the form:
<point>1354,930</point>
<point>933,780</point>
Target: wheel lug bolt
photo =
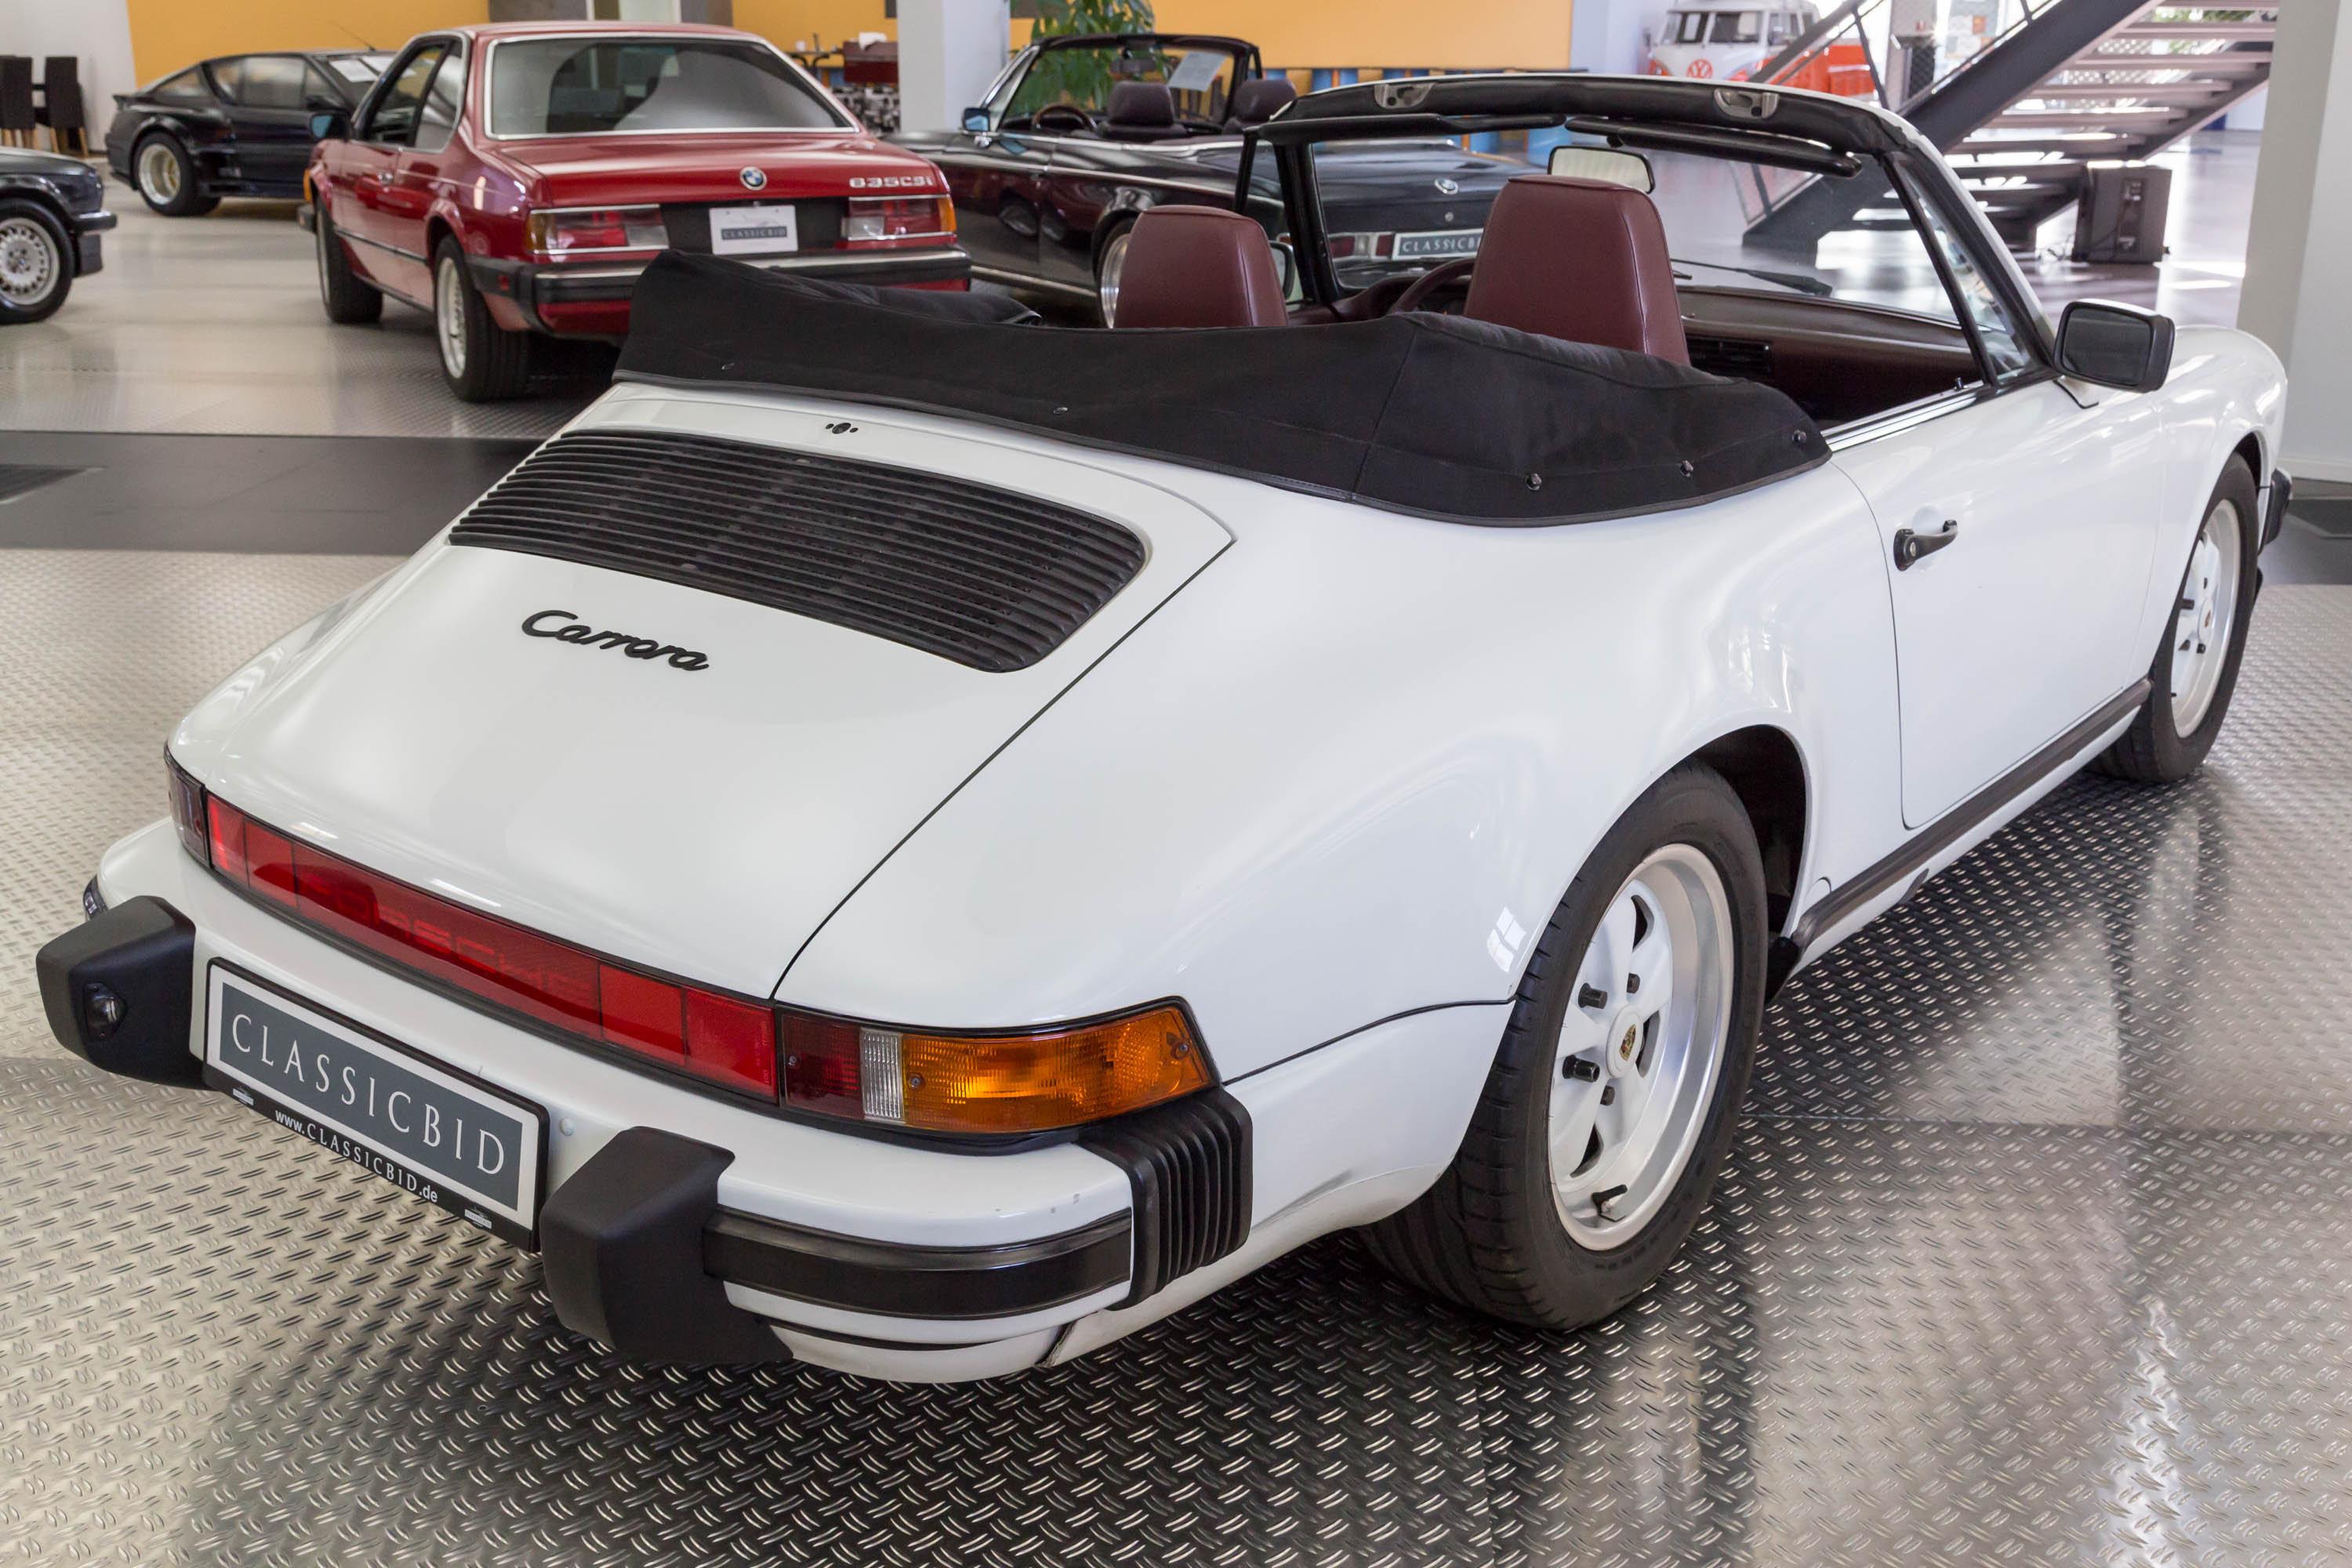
<point>1578,1071</point>
<point>1591,996</point>
<point>1633,984</point>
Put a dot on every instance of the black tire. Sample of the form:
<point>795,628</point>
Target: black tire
<point>37,262</point>
<point>350,299</point>
<point>490,363</point>
<point>2154,750</point>
<point>187,199</point>
<point>1489,1235</point>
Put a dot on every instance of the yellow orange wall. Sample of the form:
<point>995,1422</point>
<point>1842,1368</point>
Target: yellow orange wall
<point>168,34</point>
<point>1530,34</point>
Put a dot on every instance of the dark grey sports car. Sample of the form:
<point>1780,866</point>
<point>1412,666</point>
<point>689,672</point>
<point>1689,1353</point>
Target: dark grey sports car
<point>1080,134</point>
<point>52,210</point>
<point>236,126</point>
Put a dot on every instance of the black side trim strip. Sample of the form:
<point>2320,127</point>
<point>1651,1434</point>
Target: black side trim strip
<point>1958,823</point>
<point>902,1281</point>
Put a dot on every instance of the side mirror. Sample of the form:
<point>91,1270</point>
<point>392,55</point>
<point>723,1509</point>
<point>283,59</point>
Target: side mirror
<point>1608,164</point>
<point>1286,267</point>
<point>975,121</point>
<point>2115,345</point>
<point>329,124</point>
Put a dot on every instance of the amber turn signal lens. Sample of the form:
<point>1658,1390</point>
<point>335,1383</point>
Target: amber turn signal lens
<point>1029,1083</point>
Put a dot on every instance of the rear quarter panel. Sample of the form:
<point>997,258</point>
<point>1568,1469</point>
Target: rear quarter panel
<point>1349,771</point>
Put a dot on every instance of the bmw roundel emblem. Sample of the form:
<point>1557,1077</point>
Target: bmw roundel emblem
<point>1446,187</point>
<point>753,178</point>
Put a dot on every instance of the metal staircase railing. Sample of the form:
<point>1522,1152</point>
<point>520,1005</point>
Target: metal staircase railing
<point>2063,83</point>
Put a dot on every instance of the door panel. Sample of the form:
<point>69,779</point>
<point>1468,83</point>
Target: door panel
<point>999,190</point>
<point>2029,617</point>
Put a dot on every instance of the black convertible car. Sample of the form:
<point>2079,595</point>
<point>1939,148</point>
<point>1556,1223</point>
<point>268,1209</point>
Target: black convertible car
<point>1080,134</point>
<point>237,126</point>
<point>52,210</point>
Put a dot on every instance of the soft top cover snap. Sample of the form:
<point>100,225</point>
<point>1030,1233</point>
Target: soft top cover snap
<point>1430,415</point>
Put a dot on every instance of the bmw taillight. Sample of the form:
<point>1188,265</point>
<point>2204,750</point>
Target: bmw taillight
<point>1011,1082</point>
<point>579,231</point>
<point>881,222</point>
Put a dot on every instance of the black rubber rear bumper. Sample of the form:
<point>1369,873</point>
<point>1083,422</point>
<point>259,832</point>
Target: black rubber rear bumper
<point>531,286</point>
<point>119,987</point>
<point>2275,514</point>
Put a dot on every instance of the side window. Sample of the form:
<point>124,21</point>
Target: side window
<point>228,77</point>
<point>188,87</point>
<point>316,85</point>
<point>270,81</point>
<point>2004,341</point>
<point>443,103</point>
<point>393,120</point>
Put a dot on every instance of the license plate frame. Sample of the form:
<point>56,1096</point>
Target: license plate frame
<point>515,1220</point>
<point>776,225</point>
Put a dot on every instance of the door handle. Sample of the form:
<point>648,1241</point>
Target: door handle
<point>1910,545</point>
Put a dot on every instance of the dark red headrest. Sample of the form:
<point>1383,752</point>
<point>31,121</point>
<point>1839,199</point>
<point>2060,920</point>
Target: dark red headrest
<point>1578,259</point>
<point>1199,267</point>
<point>1140,103</point>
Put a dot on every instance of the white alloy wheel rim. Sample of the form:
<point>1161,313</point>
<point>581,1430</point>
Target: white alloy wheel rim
<point>2204,617</point>
<point>1634,1071</point>
<point>159,173</point>
<point>30,264</point>
<point>1114,262</point>
<point>449,309</point>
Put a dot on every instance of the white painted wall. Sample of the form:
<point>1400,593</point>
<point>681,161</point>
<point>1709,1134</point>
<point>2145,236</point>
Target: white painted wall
<point>949,51</point>
<point>98,31</point>
<point>2296,297</point>
<point>1613,35</point>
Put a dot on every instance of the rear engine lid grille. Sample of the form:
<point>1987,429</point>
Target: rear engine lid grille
<point>987,577</point>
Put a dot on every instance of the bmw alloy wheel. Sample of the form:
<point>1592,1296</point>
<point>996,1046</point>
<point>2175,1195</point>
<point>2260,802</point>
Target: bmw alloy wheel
<point>449,316</point>
<point>1640,1047</point>
<point>159,173</point>
<point>2205,617</point>
<point>30,263</point>
<point>1114,263</point>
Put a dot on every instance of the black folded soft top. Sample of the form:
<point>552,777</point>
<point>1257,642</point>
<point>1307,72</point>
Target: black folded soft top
<point>1434,416</point>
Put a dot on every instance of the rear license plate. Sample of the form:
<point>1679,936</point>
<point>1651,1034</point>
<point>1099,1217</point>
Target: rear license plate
<point>430,1130</point>
<point>753,231</point>
<point>1439,242</point>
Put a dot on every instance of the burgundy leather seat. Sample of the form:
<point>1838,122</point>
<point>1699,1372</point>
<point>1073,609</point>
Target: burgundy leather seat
<point>1257,101</point>
<point>1199,267</point>
<point>1578,259</point>
<point>1141,111</point>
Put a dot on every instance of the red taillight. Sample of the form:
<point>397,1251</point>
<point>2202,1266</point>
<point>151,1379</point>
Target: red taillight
<point>1013,1082</point>
<point>714,1036</point>
<point>882,223</point>
<point>583,230</point>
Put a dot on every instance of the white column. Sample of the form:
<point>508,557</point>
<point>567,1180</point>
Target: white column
<point>1607,35</point>
<point>2298,290</point>
<point>949,51</point>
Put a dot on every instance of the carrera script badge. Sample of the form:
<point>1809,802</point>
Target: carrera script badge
<point>565,626</point>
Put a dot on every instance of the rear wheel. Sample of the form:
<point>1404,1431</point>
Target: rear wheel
<point>2195,667</point>
<point>1611,1102</point>
<point>348,299</point>
<point>36,265</point>
<point>1110,266</point>
<point>167,177</point>
<point>481,361</point>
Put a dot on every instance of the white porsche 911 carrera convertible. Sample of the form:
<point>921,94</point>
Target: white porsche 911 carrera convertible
<point>921,841</point>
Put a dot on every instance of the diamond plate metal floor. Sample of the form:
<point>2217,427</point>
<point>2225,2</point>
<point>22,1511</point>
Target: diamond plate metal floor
<point>2033,1250</point>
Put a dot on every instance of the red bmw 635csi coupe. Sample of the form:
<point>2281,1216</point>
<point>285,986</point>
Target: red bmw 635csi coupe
<point>514,180</point>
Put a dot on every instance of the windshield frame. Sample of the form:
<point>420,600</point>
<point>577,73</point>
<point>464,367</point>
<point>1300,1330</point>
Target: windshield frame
<point>1247,67</point>
<point>489,76</point>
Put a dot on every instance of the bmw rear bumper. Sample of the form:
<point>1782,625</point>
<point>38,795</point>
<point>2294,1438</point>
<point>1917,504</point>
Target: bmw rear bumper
<point>594,299</point>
